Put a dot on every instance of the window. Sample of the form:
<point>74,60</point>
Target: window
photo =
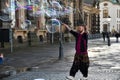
<point>105,13</point>
<point>105,4</point>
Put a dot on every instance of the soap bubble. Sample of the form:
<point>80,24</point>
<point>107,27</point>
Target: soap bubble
<point>44,4</point>
<point>53,25</point>
<point>56,5</point>
<point>50,12</point>
<point>6,10</point>
<point>28,7</point>
<point>38,13</point>
<point>68,10</point>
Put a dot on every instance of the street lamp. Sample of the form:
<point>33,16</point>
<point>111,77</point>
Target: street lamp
<point>52,26</point>
<point>60,44</point>
<point>108,19</point>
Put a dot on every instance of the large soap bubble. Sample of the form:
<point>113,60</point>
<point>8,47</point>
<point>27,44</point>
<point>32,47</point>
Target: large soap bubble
<point>53,25</point>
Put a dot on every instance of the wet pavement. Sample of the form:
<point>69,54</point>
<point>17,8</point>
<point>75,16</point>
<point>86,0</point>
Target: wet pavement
<point>42,62</point>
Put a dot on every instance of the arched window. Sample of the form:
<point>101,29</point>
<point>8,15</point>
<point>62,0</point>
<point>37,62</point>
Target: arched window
<point>105,13</point>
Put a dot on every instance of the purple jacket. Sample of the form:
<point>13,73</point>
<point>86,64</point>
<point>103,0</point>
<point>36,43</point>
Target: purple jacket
<point>81,42</point>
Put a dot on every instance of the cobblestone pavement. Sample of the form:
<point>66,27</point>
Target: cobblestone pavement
<point>93,75</point>
<point>43,63</point>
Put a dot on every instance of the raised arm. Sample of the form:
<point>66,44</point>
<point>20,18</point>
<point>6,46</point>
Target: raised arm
<point>67,27</point>
<point>74,33</point>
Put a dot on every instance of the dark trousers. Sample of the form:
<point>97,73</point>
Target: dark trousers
<point>81,63</point>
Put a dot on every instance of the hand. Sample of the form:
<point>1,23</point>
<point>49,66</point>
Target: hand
<point>82,32</point>
<point>67,26</point>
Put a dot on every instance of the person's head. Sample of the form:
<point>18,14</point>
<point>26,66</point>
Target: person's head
<point>81,28</point>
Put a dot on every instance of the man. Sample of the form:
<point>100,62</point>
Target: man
<point>81,59</point>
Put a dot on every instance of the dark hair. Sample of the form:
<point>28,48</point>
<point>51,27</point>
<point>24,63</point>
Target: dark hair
<point>85,28</point>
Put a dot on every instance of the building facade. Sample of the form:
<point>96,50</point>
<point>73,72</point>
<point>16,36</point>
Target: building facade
<point>110,8</point>
<point>91,16</point>
<point>27,15</point>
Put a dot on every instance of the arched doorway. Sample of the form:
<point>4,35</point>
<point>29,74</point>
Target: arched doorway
<point>20,39</point>
<point>105,27</point>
